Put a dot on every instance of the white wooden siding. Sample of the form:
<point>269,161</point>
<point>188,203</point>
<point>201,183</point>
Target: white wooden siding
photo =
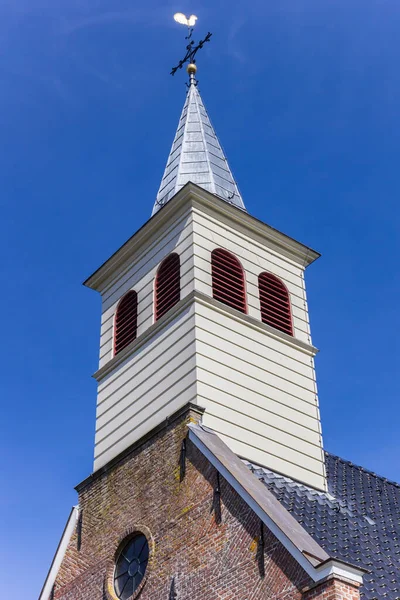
<point>258,388</point>
<point>209,233</point>
<point>150,385</point>
<point>261,393</point>
<point>275,463</point>
<point>140,275</point>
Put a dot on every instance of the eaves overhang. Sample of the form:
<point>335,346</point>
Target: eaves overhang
<point>197,197</point>
<point>243,221</point>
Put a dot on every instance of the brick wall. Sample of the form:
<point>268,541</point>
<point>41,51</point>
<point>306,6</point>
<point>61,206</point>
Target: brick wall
<point>333,589</point>
<point>204,545</point>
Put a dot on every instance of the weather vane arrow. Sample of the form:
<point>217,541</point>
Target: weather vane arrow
<point>191,48</point>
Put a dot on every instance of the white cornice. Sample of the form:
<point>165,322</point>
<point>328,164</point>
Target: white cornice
<point>341,570</point>
<point>189,197</point>
<point>161,220</point>
<point>252,226</point>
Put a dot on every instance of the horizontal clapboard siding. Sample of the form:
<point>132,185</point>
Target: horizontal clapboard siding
<point>149,386</point>
<point>275,463</point>
<point>209,234</point>
<point>140,275</point>
<point>256,383</point>
<point>260,392</point>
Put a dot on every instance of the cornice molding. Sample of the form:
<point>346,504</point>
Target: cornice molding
<point>247,223</point>
<point>138,240</point>
<point>190,197</point>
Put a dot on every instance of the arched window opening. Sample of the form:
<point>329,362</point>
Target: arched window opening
<point>168,285</point>
<point>275,303</point>
<point>130,566</point>
<point>126,321</point>
<point>228,279</point>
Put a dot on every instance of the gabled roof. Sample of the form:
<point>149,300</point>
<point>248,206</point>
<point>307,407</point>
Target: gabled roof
<point>357,521</point>
<point>273,506</point>
<point>196,155</point>
<point>305,549</point>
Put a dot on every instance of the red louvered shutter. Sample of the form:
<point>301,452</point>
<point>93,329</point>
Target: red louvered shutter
<point>228,279</point>
<point>126,321</point>
<point>168,285</point>
<point>275,303</point>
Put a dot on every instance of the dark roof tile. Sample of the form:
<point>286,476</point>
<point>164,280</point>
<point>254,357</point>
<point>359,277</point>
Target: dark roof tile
<point>357,520</point>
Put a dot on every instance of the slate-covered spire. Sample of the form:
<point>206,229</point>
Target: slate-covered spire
<point>196,155</point>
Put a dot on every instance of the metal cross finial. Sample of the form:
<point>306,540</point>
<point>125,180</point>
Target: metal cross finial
<point>191,48</point>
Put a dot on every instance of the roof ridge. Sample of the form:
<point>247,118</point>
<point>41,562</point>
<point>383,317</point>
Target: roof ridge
<point>223,152</point>
<point>206,150</point>
<point>360,468</point>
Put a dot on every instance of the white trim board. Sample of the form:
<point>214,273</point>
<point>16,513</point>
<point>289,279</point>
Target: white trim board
<point>60,553</point>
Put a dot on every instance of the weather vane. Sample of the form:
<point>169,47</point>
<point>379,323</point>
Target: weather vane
<point>191,48</point>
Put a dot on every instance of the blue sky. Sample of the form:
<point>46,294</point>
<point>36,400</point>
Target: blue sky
<point>304,96</point>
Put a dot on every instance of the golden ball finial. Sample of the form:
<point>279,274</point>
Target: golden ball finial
<point>191,69</point>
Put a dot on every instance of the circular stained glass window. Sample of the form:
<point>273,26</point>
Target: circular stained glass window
<point>131,566</point>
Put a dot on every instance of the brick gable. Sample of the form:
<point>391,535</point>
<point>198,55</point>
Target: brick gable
<point>205,540</point>
<point>203,547</point>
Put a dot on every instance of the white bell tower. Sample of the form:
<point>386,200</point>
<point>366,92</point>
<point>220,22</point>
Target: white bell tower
<point>243,352</point>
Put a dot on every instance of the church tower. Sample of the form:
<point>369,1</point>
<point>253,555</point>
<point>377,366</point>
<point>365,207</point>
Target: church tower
<point>207,424</point>
<point>206,304</point>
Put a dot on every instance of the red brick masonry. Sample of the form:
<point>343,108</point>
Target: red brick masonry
<point>333,589</point>
<point>204,545</point>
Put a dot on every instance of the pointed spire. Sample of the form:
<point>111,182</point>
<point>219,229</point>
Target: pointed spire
<point>196,155</point>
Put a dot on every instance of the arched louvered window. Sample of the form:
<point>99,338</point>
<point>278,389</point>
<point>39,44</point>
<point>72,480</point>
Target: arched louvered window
<point>168,285</point>
<point>228,279</point>
<point>275,303</point>
<point>126,321</point>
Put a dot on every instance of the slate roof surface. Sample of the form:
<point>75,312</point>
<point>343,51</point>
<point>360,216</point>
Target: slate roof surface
<point>357,520</point>
<point>197,156</point>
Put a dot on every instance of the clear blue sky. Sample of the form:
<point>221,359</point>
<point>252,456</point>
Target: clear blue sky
<point>304,96</point>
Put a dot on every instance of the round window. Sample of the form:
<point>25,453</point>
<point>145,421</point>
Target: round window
<point>131,566</point>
